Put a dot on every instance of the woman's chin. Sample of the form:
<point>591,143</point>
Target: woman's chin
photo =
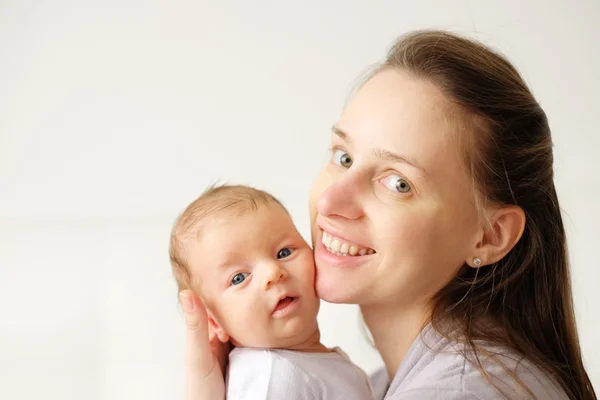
<point>333,288</point>
<point>341,279</point>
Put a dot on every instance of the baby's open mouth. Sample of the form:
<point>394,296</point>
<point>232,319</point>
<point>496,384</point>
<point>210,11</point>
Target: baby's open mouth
<point>283,303</point>
<point>342,248</point>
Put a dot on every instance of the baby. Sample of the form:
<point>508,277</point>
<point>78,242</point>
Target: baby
<point>238,248</point>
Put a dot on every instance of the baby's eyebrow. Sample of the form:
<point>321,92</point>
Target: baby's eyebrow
<point>234,260</point>
<point>227,265</point>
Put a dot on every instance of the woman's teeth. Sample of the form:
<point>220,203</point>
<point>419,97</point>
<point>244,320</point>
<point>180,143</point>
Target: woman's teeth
<point>341,248</point>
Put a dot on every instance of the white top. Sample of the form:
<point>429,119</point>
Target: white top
<point>259,374</point>
<point>434,369</point>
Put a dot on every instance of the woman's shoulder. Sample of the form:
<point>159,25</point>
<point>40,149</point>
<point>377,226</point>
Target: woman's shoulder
<point>436,367</point>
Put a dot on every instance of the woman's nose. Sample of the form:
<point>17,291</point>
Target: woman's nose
<point>341,198</point>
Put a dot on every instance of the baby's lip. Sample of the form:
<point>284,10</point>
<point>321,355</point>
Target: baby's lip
<point>282,297</point>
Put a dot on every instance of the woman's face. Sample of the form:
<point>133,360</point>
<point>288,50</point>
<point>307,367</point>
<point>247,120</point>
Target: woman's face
<point>396,190</point>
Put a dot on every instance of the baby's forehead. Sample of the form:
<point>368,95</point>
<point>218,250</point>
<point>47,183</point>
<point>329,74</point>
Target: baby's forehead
<point>223,237</point>
<point>271,215</point>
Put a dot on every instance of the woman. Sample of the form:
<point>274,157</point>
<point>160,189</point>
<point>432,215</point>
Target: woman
<point>442,166</point>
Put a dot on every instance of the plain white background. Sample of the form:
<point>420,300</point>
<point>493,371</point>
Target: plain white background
<point>115,114</point>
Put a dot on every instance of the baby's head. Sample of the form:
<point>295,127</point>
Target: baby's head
<point>239,250</point>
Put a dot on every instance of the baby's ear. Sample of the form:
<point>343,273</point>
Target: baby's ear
<point>215,328</point>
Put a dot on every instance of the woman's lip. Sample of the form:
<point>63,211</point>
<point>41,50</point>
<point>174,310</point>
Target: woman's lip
<point>324,228</point>
<point>324,255</point>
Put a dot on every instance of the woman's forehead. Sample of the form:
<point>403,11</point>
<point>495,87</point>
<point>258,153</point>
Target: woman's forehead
<point>402,114</point>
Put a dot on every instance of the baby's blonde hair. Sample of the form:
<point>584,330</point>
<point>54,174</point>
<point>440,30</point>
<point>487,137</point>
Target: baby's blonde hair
<point>222,200</point>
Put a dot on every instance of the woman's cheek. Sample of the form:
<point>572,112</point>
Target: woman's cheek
<point>324,179</point>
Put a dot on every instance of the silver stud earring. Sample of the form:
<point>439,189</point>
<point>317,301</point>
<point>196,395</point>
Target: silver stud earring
<point>477,261</point>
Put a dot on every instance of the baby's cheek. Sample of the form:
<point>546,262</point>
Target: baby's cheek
<point>307,267</point>
<point>235,324</point>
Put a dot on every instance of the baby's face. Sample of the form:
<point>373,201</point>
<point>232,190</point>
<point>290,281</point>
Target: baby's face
<point>257,276</point>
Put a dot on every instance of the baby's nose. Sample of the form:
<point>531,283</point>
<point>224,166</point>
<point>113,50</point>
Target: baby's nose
<point>274,275</point>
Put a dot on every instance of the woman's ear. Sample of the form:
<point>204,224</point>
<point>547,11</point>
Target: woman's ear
<point>506,226</point>
<point>216,328</point>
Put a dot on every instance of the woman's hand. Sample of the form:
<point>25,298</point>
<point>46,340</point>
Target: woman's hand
<point>205,355</point>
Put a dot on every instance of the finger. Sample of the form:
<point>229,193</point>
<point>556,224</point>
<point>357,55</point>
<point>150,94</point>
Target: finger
<point>212,335</point>
<point>221,351</point>
<point>199,358</point>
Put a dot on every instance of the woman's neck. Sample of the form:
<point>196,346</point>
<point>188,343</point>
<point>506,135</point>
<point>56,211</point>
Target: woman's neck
<point>394,329</point>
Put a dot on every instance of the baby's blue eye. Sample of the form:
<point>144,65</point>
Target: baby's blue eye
<point>283,253</point>
<point>239,278</point>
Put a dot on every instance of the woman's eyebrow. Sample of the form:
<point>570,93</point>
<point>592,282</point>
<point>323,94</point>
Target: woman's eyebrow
<point>390,156</point>
<point>382,154</point>
<point>340,133</point>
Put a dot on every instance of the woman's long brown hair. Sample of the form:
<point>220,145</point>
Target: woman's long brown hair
<point>527,294</point>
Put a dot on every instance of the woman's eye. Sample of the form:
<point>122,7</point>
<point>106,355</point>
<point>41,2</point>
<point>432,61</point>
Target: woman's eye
<point>397,183</point>
<point>239,278</point>
<point>283,253</point>
<point>341,158</point>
